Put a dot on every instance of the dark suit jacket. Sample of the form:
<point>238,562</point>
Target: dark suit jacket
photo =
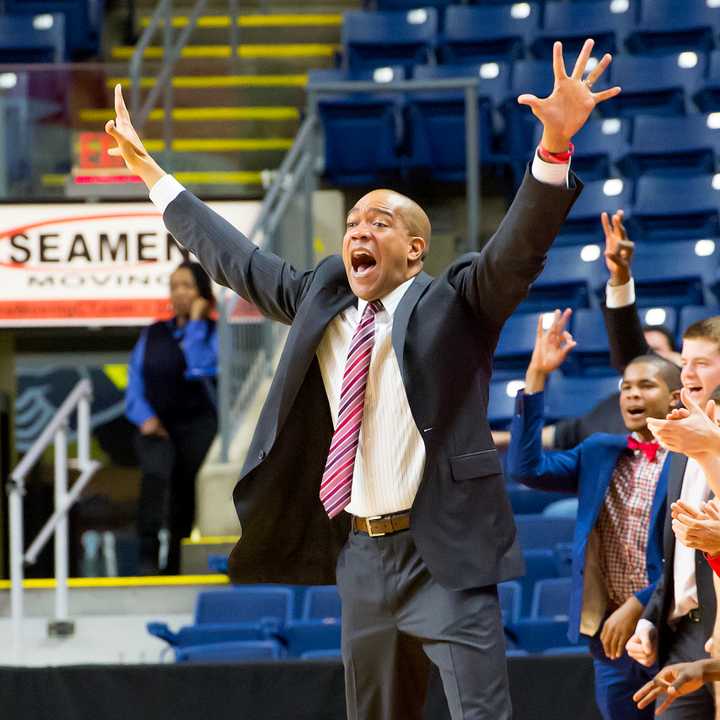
<point>586,470</point>
<point>627,342</point>
<point>444,334</point>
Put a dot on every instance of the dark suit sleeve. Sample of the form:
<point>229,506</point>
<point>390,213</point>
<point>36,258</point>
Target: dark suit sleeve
<point>653,607</point>
<point>527,462</point>
<point>264,279</point>
<point>499,277</point>
<point>625,335</point>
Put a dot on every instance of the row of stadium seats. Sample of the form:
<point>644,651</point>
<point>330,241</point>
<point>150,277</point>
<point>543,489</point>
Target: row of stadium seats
<point>49,31</point>
<point>425,130</point>
<point>464,33</point>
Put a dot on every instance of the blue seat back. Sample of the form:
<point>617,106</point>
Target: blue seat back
<point>574,396</point>
<point>501,405</point>
<point>244,604</point>
<point>551,599</point>
<point>474,33</point>
<point>25,40</point>
<point>321,602</point>
<point>302,636</point>
<point>539,565</point>
<point>607,23</point>
<point>536,531</point>
<point>653,85</point>
<point>657,214</point>
<point>673,146</point>
<point>694,313</point>
<point>372,39</point>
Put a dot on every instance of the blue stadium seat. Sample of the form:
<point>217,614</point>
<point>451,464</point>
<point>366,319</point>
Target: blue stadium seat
<point>321,603</point>
<point>516,652</point>
<point>673,273</point>
<point>582,225</point>
<point>693,313</point>
<point>551,599</point>
<point>670,26</point>
<point>363,132</point>
<point>539,565</point>
<point>501,406</point>
<point>477,33</point>
<point>510,598</point>
<point>573,396</point>
<point>302,636</point>
<point>707,91</point>
<point>592,353</point>
<point>566,280</point>
<point>675,208</point>
<point>516,343</point>
<point>527,501</point>
<point>537,635</point>
<point>244,604</point>
<point>375,39</point>
<point>23,40</point>
<point>210,633</point>
<point>573,23</point>
<point>653,85</point>
<point>82,22</point>
<point>672,146</point>
<point>436,120</point>
<point>385,5</point>
<point>536,531</point>
<point>229,652</point>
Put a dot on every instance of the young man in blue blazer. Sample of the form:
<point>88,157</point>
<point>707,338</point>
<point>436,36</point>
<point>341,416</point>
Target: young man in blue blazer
<point>621,484</point>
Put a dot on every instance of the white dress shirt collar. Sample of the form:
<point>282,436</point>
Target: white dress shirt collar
<point>389,301</point>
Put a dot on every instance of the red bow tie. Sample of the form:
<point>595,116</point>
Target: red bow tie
<point>649,449</point>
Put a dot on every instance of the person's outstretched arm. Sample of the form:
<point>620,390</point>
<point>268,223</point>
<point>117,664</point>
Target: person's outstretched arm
<point>264,279</point>
<point>527,462</point>
<point>625,334</point>
<point>496,280</point>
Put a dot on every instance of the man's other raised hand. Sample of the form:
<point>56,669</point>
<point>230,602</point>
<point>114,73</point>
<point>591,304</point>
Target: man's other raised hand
<point>129,146</point>
<point>569,105</point>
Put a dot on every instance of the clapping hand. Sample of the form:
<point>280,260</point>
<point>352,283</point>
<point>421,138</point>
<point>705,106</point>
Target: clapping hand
<point>569,105</point>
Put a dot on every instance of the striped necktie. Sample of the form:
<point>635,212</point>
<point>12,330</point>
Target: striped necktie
<point>336,485</point>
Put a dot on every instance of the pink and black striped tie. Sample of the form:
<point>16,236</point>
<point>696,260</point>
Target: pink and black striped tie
<point>336,485</point>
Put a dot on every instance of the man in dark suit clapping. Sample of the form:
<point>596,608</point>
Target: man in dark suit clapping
<point>374,420</point>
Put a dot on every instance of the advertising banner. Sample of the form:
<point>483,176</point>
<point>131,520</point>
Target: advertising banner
<point>92,264</point>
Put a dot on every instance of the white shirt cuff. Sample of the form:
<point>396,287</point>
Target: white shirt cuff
<point>617,296</point>
<point>644,624</point>
<point>164,191</point>
<point>550,173</point>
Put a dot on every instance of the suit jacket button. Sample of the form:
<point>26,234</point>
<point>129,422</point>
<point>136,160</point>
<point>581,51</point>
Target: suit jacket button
<point>261,455</point>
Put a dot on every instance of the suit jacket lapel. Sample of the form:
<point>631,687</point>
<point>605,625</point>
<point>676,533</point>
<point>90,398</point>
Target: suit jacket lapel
<point>402,317</point>
<point>678,463</point>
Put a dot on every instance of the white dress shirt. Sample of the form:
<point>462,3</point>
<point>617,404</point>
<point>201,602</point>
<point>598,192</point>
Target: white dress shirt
<point>391,453</point>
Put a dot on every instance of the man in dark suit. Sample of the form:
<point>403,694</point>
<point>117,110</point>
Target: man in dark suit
<point>621,483</point>
<point>680,615</point>
<point>374,418</point>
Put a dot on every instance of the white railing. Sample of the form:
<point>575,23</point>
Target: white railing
<point>57,430</point>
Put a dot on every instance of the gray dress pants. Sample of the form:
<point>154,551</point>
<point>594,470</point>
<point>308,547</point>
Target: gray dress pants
<point>396,620</point>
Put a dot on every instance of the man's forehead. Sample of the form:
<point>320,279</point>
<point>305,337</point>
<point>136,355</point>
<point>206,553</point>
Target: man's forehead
<point>700,348</point>
<point>383,200</point>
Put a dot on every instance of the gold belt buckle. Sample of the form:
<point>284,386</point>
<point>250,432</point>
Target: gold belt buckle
<point>369,526</point>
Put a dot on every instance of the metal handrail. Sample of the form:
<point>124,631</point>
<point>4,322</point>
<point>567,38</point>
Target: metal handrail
<point>57,430</point>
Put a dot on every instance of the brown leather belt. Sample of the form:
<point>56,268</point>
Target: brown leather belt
<point>381,524</point>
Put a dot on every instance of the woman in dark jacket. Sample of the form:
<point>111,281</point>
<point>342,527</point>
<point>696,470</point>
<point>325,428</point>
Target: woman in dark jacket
<point>171,398</point>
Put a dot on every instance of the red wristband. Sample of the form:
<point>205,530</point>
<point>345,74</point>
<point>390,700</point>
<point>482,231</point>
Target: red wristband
<point>557,158</point>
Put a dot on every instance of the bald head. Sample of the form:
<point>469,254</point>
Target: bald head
<point>414,218</point>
